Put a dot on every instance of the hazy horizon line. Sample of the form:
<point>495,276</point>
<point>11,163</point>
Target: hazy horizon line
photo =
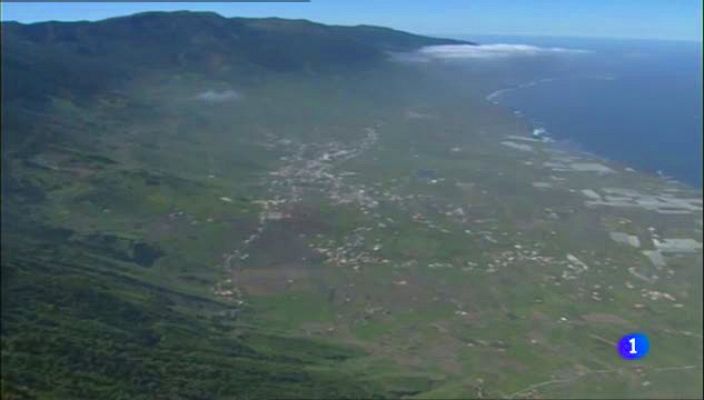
<point>557,36</point>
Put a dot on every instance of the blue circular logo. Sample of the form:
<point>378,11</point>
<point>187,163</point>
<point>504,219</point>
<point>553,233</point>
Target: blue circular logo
<point>633,346</point>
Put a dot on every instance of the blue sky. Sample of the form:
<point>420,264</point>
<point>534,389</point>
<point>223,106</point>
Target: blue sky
<point>652,19</point>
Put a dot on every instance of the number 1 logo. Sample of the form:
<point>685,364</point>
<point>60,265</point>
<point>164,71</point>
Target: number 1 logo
<point>633,346</point>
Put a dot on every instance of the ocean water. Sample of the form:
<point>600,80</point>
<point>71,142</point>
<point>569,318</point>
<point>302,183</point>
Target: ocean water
<point>632,101</point>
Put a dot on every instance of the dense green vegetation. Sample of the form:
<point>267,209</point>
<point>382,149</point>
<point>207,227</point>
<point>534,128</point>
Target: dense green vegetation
<point>75,326</point>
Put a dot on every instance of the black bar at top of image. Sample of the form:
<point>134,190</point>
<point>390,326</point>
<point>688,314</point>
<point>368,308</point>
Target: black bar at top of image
<point>155,1</point>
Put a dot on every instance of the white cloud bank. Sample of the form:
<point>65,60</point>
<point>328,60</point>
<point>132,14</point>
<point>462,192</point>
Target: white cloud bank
<point>217,97</point>
<point>483,52</point>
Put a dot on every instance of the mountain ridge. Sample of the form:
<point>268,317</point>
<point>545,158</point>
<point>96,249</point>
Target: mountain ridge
<point>88,56</point>
<point>236,34</point>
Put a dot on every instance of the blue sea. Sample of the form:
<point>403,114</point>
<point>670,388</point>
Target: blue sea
<point>633,101</point>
